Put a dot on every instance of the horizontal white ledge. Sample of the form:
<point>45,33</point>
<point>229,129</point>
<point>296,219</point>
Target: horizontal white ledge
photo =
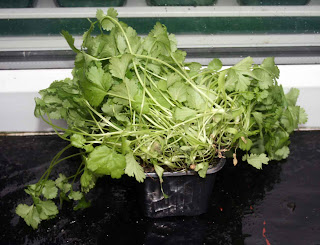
<point>165,12</point>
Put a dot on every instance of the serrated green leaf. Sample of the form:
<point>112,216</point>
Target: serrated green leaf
<point>269,65</point>
<point>265,80</point>
<point>178,91</point>
<point>215,64</point>
<point>245,143</point>
<point>133,168</point>
<point>194,66</point>
<point>29,214</point>
<point>87,181</point>
<point>77,140</point>
<point>62,183</point>
<point>292,96</point>
<point>303,117</point>
<point>244,65</point>
<point>257,160</point>
<point>82,204</point>
<point>106,23</point>
<point>184,113</point>
<point>242,83</point>
<point>103,160</point>
<point>49,189</point>
<point>283,152</point>
<point>159,170</point>
<point>75,195</point>
<point>47,209</point>
<point>118,66</point>
<point>173,78</point>
<point>70,41</point>
<point>202,169</point>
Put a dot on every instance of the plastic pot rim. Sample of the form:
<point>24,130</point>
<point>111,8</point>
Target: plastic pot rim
<point>211,170</point>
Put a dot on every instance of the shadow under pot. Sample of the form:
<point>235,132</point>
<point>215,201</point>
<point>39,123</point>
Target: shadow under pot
<point>181,2</point>
<point>188,193</point>
<point>17,3</point>
<point>273,2</point>
<point>92,3</point>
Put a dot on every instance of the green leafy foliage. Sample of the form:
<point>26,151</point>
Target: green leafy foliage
<point>103,160</point>
<point>50,190</point>
<point>133,103</point>
<point>257,160</point>
<point>133,168</point>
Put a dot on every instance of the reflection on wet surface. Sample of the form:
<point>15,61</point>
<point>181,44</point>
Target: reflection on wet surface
<point>279,205</point>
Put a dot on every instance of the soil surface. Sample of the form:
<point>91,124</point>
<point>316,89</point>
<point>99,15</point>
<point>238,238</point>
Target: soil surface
<point>279,205</point>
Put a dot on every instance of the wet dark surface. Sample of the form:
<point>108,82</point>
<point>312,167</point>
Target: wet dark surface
<point>279,205</point>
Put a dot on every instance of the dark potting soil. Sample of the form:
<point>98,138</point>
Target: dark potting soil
<point>279,205</point>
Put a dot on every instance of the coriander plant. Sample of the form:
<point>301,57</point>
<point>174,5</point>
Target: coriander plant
<point>134,105</point>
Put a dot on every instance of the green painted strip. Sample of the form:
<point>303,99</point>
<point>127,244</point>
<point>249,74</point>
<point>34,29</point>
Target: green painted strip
<point>192,25</point>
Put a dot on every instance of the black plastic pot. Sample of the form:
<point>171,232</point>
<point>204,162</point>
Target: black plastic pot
<point>180,2</point>
<point>188,193</point>
<point>90,3</point>
<point>273,2</point>
<point>16,3</point>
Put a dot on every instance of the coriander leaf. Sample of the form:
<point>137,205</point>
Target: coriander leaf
<point>290,118</point>
<point>162,85</point>
<point>70,41</point>
<point>98,77</point>
<point>87,180</point>
<point>105,22</point>
<point>257,160</point>
<point>292,96</point>
<point>160,99</point>
<point>111,109</point>
<point>133,168</point>
<point>265,80</point>
<point>159,170</point>
<point>194,66</point>
<point>139,105</point>
<point>82,204</point>
<point>269,65</point>
<point>124,92</point>
<point>262,95</point>
<point>47,209</point>
<point>62,183</point>
<point>181,114</point>
<point>244,65</point>
<point>173,42</point>
<point>303,117</point>
<point>121,42</point>
<point>215,64</point>
<point>29,214</point>
<point>103,160</point>
<point>173,78</point>
<point>158,42</point>
<point>245,143</point>
<point>75,195</point>
<point>283,152</point>
<point>88,148</point>
<point>202,169</point>
<point>231,80</point>
<point>242,83</point>
<point>178,91</point>
<point>118,66</point>
<point>194,99</point>
<point>134,40</point>
<point>77,140</point>
<point>49,189</point>
<point>96,86</point>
